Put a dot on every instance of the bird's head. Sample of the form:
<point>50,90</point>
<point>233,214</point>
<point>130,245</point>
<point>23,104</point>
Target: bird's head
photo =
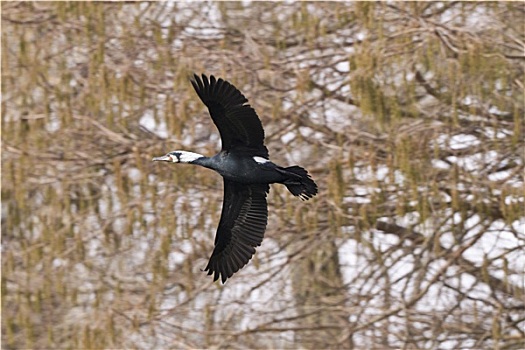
<point>179,157</point>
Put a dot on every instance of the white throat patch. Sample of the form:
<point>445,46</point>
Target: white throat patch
<point>260,160</point>
<point>187,157</point>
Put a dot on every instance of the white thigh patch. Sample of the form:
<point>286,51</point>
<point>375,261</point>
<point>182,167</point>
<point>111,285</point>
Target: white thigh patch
<point>260,160</point>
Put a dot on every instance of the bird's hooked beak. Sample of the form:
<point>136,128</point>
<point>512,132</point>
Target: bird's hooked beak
<point>166,158</point>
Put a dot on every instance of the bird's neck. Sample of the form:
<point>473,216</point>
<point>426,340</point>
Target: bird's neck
<point>196,158</point>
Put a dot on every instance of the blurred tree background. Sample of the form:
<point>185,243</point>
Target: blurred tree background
<point>408,115</point>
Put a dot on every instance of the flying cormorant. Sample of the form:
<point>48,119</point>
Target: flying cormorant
<point>247,171</point>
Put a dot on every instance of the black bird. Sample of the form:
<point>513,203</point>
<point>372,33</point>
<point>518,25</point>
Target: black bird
<point>247,172</point>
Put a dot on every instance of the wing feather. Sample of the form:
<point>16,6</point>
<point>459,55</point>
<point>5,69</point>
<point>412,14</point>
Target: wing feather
<point>239,126</point>
<point>241,228</point>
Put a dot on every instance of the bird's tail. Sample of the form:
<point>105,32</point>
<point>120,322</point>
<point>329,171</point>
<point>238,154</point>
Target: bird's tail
<point>299,182</point>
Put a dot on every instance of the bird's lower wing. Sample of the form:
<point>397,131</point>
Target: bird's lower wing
<point>241,228</point>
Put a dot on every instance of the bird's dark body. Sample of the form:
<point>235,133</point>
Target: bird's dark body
<point>247,171</point>
<point>244,169</point>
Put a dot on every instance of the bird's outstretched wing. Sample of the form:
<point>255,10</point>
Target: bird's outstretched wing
<point>241,228</point>
<point>239,126</point>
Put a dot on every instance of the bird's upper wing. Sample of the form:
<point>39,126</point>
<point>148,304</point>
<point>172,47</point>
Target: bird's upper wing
<point>238,124</point>
<point>241,228</point>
